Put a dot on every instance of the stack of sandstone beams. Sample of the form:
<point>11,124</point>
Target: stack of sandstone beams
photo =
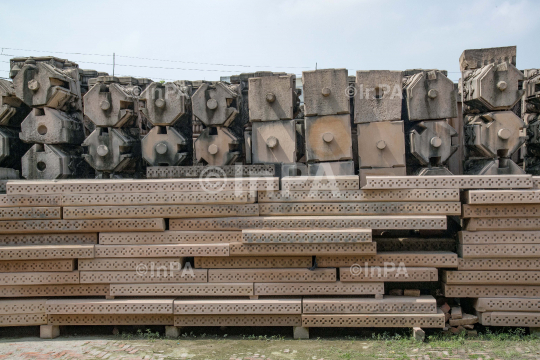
<point>499,265</point>
<point>225,251</point>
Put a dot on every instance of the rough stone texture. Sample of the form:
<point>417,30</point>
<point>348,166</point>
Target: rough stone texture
<point>419,334</point>
<point>46,162</point>
<point>300,332</point>
<point>217,146</point>
<point>164,104</point>
<point>274,142</point>
<point>377,96</point>
<point>334,168</point>
<point>430,142</point>
<point>51,126</point>
<point>476,58</point>
<point>325,92</point>
<point>12,109</point>
<point>272,98</point>
<point>49,331</point>
<point>164,146</point>
<point>172,332</point>
<point>492,167</point>
<point>216,104</point>
<point>429,95</point>
<point>328,138</point>
<point>381,144</point>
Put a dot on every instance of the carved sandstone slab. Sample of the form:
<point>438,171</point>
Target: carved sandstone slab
<point>313,183</point>
<point>507,318</point>
<point>164,211</point>
<point>238,320</point>
<point>476,224</point>
<point>329,288</point>
<point>450,182</point>
<point>374,320</point>
<point>144,275</point>
<point>305,236</point>
<point>22,306</point>
<point>53,290</point>
<point>30,200</point>
<point>271,275</point>
<point>115,186</point>
<point>115,251</point>
<point>48,239</point>
<point>253,262</point>
<point>170,237</point>
<point>311,222</point>
<point>108,319</point>
<point>238,306</point>
<point>499,251</point>
<point>477,291</point>
<point>425,304</point>
<point>131,264</point>
<point>81,226</point>
<point>498,211</point>
<point>30,213</point>
<point>188,289</point>
<point>359,195</point>
<point>375,208</point>
<point>387,274</point>
<point>39,252</point>
<point>37,265</point>
<point>499,237</point>
<point>507,304</point>
<point>23,319</point>
<point>492,277</point>
<point>499,264</point>
<point>113,307</point>
<point>241,249</point>
<point>484,197</point>
<point>39,278</point>
<point>438,259</point>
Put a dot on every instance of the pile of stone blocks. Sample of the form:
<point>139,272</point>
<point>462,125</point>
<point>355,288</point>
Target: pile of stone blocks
<point>491,86</point>
<point>530,113</point>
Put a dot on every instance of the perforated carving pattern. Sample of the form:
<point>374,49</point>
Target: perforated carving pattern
<point>130,264</point>
<point>22,306</point>
<point>331,288</point>
<point>389,304</point>
<point>396,274</point>
<point>85,226</point>
<point>359,195</point>
<point>449,182</point>
<point>167,211</point>
<point>500,250</point>
<point>24,213</point>
<point>305,236</point>
<point>499,237</point>
<point>230,307</point>
<point>241,249</point>
<point>502,196</point>
<point>475,224</point>
<point>489,211</point>
<point>201,289</point>
<point>271,275</point>
<point>502,304</point>
<point>30,200</point>
<point>240,262</point>
<point>237,320</point>
<point>46,252</point>
<point>48,239</point>
<point>476,291</point>
<point>374,320</point>
<point>143,275</point>
<point>162,250</point>
<point>415,244</point>
<point>438,259</point>
<point>38,278</point>
<point>54,290</point>
<point>499,264</point>
<point>491,277</point>
<point>37,265</point>
<point>170,237</point>
<point>23,319</point>
<point>97,319</point>
<point>311,222</point>
<point>311,183</point>
<point>101,306</point>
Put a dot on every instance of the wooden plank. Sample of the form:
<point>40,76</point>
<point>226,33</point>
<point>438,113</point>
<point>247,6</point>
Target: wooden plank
<point>22,306</point>
<point>23,319</point>
<point>37,265</point>
<point>30,213</point>
<point>476,291</point>
<point>121,319</point>
<point>491,277</point>
<point>499,264</point>
<point>499,237</point>
<point>271,275</point>
<point>170,237</point>
<point>30,200</point>
<point>144,275</point>
<point>476,224</point>
<point>113,307</point>
<point>312,183</point>
<point>46,187</point>
<point>437,222</point>
<point>48,239</point>
<point>42,252</point>
<point>499,251</point>
<point>484,197</point>
<point>131,264</point>
<point>425,304</point>
<point>371,209</point>
<point>448,182</point>
<point>160,198</point>
<point>329,288</point>
<point>305,236</point>
<point>508,211</point>
<point>39,278</point>
<point>165,211</point>
<point>179,250</point>
<point>415,244</point>
<point>438,259</point>
<point>53,290</point>
<point>238,306</point>
<point>240,249</point>
<point>238,320</point>
<point>507,304</point>
<point>80,226</point>
<point>323,196</point>
<point>374,320</point>
<point>387,274</point>
<point>187,289</point>
<point>253,262</point>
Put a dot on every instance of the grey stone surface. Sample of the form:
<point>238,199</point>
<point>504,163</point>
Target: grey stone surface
<point>164,104</point>
<point>325,92</point>
<point>274,142</point>
<point>51,126</point>
<point>217,146</point>
<point>381,144</point>
<point>430,142</point>
<point>272,98</point>
<point>334,168</point>
<point>216,104</point>
<point>164,145</point>
<point>377,96</point>
<point>476,58</point>
<point>501,166</point>
<point>49,162</point>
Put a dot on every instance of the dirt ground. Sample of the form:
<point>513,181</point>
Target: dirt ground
<point>266,343</point>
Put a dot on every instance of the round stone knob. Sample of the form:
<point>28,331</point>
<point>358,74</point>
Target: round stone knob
<point>502,85</point>
<point>381,144</point>
<point>504,134</point>
<point>161,148</point>
<point>33,85</point>
<point>328,137</point>
<point>211,104</point>
<point>326,92</point>
<point>272,142</point>
<point>436,141</point>
<point>432,93</point>
<point>213,149</point>
<point>102,150</point>
<point>270,97</point>
<point>160,103</point>
<point>105,105</point>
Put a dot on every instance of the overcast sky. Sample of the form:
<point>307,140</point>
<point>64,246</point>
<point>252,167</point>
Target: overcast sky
<point>205,39</point>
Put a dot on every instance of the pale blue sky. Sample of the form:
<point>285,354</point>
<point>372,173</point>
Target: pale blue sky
<point>282,35</point>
